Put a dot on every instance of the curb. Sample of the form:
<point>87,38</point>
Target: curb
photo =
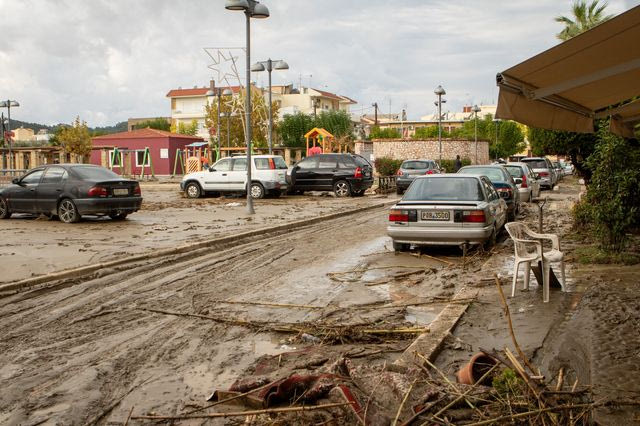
<point>17,286</point>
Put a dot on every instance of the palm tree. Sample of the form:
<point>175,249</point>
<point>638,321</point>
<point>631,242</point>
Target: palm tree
<point>584,17</point>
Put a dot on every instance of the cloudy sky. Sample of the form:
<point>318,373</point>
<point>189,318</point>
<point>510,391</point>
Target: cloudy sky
<point>110,60</point>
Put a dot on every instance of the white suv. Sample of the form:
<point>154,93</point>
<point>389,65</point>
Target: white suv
<point>229,174</point>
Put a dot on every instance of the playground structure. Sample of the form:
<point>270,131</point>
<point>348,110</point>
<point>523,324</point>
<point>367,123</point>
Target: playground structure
<point>122,158</point>
<point>321,138</point>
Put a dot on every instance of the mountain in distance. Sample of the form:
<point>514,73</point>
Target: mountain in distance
<point>118,127</point>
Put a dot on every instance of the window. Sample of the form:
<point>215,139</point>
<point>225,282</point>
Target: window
<point>416,165</point>
<point>494,174</point>
<point>536,164</point>
<point>327,162</point>
<point>490,190</point>
<point>515,171</point>
<point>444,189</point>
<point>346,163</point>
<point>54,175</point>
<point>32,178</point>
<point>94,173</point>
<point>223,165</point>
<point>114,162</point>
<point>261,163</point>
<point>309,163</point>
<point>240,165</point>
<point>140,158</point>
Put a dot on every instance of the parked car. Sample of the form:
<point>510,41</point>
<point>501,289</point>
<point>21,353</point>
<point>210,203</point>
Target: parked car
<point>410,169</point>
<point>268,176</point>
<point>544,169</point>
<point>525,179</point>
<point>345,174</point>
<point>70,191</point>
<point>503,182</point>
<point>557,168</point>
<point>447,209</point>
<point>567,169</point>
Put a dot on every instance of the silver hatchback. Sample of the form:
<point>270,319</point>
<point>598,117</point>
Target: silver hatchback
<point>449,209</point>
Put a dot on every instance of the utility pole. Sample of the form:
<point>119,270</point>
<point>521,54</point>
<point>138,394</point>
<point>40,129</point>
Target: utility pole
<point>375,105</point>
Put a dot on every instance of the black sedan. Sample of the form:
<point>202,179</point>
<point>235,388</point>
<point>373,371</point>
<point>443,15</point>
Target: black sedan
<point>70,191</point>
<point>503,182</point>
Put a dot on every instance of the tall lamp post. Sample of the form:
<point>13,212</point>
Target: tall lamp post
<point>251,9</point>
<point>270,65</point>
<point>476,110</point>
<point>439,92</point>
<point>218,92</point>
<point>496,121</point>
<point>8,104</point>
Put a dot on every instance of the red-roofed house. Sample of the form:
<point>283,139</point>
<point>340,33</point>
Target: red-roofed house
<point>162,147</point>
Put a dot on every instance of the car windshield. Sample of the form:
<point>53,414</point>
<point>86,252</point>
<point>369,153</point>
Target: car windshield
<point>493,173</point>
<point>536,164</point>
<point>95,173</point>
<point>361,161</point>
<point>444,189</point>
<point>280,164</point>
<point>416,165</point>
<point>515,171</point>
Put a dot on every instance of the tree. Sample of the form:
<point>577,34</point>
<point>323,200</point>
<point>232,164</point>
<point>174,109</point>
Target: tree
<point>293,127</point>
<point>338,123</point>
<point>578,146</point>
<point>585,16</point>
<point>156,123</point>
<point>388,133</point>
<point>76,139</point>
<point>428,132</point>
<point>190,129</point>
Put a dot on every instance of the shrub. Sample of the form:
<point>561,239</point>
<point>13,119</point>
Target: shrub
<point>378,133</point>
<point>450,165</point>
<point>387,166</point>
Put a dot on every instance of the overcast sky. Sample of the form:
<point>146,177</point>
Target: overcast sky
<point>111,60</point>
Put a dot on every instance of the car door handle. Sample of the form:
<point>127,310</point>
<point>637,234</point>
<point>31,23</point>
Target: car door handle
<point>32,189</point>
<point>224,174</point>
<point>58,190</point>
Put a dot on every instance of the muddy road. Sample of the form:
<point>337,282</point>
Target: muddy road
<point>91,348</point>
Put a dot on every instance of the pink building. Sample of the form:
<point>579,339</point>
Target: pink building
<point>162,147</point>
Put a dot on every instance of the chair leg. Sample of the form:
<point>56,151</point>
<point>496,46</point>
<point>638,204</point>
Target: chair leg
<point>546,268</point>
<point>527,273</point>
<point>515,278</point>
<point>564,283</point>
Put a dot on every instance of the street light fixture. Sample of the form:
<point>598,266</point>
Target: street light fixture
<point>251,9</point>
<point>8,104</point>
<point>439,92</point>
<point>270,65</point>
<point>218,92</point>
<point>476,110</point>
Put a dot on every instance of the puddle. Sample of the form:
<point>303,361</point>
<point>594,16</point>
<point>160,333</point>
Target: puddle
<point>423,315</point>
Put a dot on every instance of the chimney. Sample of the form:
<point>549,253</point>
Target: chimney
<point>212,85</point>
<point>466,108</point>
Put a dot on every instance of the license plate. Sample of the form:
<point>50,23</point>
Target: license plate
<point>435,215</point>
<point>121,191</point>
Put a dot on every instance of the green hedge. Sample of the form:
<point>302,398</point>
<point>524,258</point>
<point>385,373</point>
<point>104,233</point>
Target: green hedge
<point>387,166</point>
<point>450,165</point>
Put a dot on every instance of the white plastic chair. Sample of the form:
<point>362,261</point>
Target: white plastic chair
<point>528,248</point>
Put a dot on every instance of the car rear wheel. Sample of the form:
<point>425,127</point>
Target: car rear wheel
<point>67,211</point>
<point>358,193</point>
<point>193,190</point>
<point>118,216</point>
<point>341,188</point>
<point>256,190</point>
<point>5,213</point>
<point>401,246</point>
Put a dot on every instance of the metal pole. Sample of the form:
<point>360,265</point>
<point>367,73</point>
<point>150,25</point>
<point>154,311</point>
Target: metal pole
<point>247,105</point>
<point>4,140</point>
<point>228,132</point>
<point>269,68</point>
<point>218,127</point>
<point>476,135</point>
<point>9,132</point>
<point>440,127</point>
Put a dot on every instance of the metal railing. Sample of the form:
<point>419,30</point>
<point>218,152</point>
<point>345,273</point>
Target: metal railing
<point>386,184</point>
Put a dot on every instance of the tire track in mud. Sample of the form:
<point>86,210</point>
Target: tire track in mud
<point>60,349</point>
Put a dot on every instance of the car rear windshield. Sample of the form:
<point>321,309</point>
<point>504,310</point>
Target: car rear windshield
<point>95,173</point>
<point>444,189</point>
<point>263,163</point>
<point>493,173</point>
<point>515,171</point>
<point>536,164</point>
<point>361,161</point>
<point>416,165</point>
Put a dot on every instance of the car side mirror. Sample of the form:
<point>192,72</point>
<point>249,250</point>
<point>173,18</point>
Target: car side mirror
<point>15,181</point>
<point>211,169</point>
<point>518,181</point>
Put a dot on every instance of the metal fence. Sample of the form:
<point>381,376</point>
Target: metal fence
<point>386,184</point>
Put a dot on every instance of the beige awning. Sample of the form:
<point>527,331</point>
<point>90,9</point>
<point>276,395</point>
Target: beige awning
<point>593,75</point>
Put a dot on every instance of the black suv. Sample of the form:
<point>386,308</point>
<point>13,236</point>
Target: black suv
<point>345,174</point>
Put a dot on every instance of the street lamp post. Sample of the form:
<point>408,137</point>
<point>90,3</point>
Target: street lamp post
<point>8,104</point>
<point>496,121</point>
<point>270,65</point>
<point>218,93</point>
<point>476,110</point>
<point>251,9</point>
<point>440,91</point>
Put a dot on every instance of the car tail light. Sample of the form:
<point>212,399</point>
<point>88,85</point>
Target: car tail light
<point>403,215</point>
<point>358,173</point>
<point>137,191</point>
<point>429,172</point>
<point>97,191</point>
<point>524,182</point>
<point>399,172</point>
<point>543,173</point>
<point>272,164</point>
<point>505,192</point>
<point>473,216</point>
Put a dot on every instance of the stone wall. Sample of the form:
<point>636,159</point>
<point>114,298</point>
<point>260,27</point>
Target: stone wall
<point>404,149</point>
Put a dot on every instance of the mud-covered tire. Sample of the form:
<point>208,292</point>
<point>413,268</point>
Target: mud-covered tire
<point>118,216</point>
<point>491,242</point>
<point>68,212</point>
<point>193,190</point>
<point>342,189</point>
<point>401,247</point>
<point>359,193</point>
<point>5,213</point>
<point>256,190</point>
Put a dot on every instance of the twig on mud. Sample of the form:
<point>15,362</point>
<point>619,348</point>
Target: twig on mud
<point>95,419</point>
<point>96,315</point>
<point>508,315</point>
<point>126,422</point>
<point>246,413</point>
<point>529,413</point>
<point>560,379</point>
<point>232,398</point>
<point>436,258</point>
<point>278,305</point>
<point>404,400</point>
